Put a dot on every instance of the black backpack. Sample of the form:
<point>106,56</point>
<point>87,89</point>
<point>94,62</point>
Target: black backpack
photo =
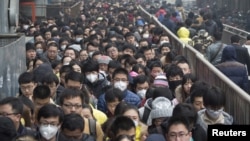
<point>145,114</point>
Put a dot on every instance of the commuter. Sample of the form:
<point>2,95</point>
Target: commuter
<point>113,97</point>
<point>120,80</point>
<point>178,127</point>
<point>233,69</point>
<point>12,108</point>
<point>76,65</point>
<point>184,65</point>
<point>113,64</point>
<point>71,102</point>
<point>95,81</point>
<point>247,44</point>
<point>49,119</point>
<point>112,51</point>
<point>72,129</point>
<point>197,91</point>
<point>7,129</point>
<point>133,113</point>
<point>30,51</point>
<point>241,53</point>
<point>174,75</point>
<point>141,84</point>
<point>214,101</point>
<point>188,111</point>
<point>209,24</point>
<point>140,69</point>
<point>214,51</point>
<point>71,52</point>
<point>182,92</point>
<point>184,35</point>
<point>26,84</point>
<point>121,125</point>
<point>202,40</point>
<point>103,62</point>
<point>52,52</point>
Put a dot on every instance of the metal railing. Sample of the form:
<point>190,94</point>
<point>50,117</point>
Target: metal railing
<point>13,63</point>
<point>237,100</point>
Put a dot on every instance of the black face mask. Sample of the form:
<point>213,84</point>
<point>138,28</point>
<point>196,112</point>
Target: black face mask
<point>174,84</point>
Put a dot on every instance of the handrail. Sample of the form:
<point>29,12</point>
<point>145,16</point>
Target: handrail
<point>237,100</point>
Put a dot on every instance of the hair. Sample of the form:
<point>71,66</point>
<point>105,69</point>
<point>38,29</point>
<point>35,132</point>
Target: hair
<point>50,110</point>
<point>235,39</point>
<point>130,107</point>
<point>26,77</point>
<point>26,113</point>
<point>73,75</point>
<point>198,89</point>
<point>114,64</point>
<point>121,123</point>
<point>73,122</point>
<point>121,137</point>
<point>174,120</point>
<point>136,68</point>
<point>41,92</point>
<point>87,106</point>
<point>54,44</point>
<point>154,63</point>
<point>7,129</point>
<point>65,69</point>
<point>15,103</point>
<point>120,71</point>
<point>68,93</point>
<point>49,78</point>
<point>214,97</point>
<point>90,66</point>
<point>188,77</point>
<point>187,110</point>
<point>174,70</point>
<point>75,51</point>
<point>162,92</point>
<point>217,36</point>
<point>112,94</point>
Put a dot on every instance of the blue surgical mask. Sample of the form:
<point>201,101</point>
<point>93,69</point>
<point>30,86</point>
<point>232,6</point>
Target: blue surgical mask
<point>214,113</point>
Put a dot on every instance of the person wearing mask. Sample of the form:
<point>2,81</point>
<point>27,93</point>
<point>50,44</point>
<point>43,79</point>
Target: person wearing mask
<point>49,118</point>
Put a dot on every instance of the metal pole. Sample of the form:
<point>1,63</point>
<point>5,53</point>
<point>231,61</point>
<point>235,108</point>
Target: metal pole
<point>4,24</point>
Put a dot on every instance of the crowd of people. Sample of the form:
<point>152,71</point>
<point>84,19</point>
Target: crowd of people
<point>110,75</point>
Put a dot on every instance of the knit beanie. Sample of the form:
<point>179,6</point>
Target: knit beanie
<point>161,107</point>
<point>104,59</point>
<point>161,80</point>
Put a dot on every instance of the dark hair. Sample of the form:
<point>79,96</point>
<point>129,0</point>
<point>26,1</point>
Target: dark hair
<point>174,70</point>
<point>90,66</point>
<point>25,77</point>
<point>41,92</point>
<point>235,39</point>
<point>50,110</point>
<point>49,78</point>
<point>68,93</point>
<point>218,36</point>
<point>136,68</point>
<point>73,122</point>
<point>7,129</point>
<point>162,92</point>
<point>187,77</point>
<point>112,94</point>
<point>187,110</point>
<point>198,89</point>
<point>114,64</point>
<point>214,97</point>
<point>65,69</point>
<point>177,120</point>
<point>75,76</point>
<point>120,71</point>
<point>121,123</point>
<point>15,103</point>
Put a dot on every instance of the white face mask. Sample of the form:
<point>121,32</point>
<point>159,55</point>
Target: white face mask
<point>39,51</point>
<point>63,47</point>
<point>48,132</point>
<point>214,113</point>
<point>78,39</point>
<point>26,27</point>
<point>121,85</point>
<point>142,93</point>
<point>135,122</point>
<point>91,53</point>
<point>162,42</point>
<point>140,30</point>
<point>145,36</point>
<point>92,77</point>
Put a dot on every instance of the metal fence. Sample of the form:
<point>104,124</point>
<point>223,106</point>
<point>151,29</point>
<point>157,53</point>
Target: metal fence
<point>12,61</point>
<point>237,101</point>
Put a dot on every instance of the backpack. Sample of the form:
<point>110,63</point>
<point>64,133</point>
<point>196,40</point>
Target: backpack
<point>92,128</point>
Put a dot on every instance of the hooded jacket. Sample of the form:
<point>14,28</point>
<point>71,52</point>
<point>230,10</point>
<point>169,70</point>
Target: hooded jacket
<point>183,34</point>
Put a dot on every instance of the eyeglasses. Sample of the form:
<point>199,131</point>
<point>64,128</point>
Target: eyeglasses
<point>180,135</point>
<point>70,106</point>
<point>7,114</point>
